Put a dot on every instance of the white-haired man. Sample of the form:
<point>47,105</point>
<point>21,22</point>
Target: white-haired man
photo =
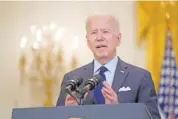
<point>103,38</point>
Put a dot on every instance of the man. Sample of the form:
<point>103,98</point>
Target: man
<point>103,37</point>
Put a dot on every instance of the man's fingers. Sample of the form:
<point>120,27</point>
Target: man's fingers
<point>109,97</point>
<point>106,94</point>
<point>106,90</point>
<point>86,94</point>
<point>70,101</point>
<point>106,85</point>
<point>69,98</point>
<point>109,94</point>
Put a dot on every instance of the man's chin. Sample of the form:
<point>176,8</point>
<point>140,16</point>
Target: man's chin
<point>101,56</point>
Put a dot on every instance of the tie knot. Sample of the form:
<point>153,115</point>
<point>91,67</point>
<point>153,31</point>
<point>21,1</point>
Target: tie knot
<point>103,69</point>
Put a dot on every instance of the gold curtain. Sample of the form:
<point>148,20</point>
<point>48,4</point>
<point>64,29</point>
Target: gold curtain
<point>153,20</point>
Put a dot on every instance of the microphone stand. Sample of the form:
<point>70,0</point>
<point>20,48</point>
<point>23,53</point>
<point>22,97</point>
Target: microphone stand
<point>81,97</point>
<point>70,93</point>
<point>81,101</point>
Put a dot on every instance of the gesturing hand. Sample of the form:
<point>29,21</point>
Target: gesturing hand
<point>109,94</point>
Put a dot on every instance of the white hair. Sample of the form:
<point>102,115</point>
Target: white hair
<point>116,21</point>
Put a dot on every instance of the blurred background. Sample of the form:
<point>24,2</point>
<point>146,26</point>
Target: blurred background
<point>40,41</point>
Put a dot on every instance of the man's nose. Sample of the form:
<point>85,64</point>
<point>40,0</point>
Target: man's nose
<point>99,36</point>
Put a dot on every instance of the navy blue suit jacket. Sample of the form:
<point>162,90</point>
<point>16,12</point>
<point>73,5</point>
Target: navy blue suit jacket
<point>126,75</point>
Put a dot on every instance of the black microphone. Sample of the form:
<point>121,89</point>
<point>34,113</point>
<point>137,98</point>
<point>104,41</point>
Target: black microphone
<point>90,84</point>
<point>72,85</point>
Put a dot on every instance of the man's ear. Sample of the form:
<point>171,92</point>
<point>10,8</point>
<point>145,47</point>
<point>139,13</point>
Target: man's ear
<point>118,39</point>
<point>88,44</point>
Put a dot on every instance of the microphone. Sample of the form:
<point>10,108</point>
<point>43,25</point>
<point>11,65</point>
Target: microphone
<point>90,84</point>
<point>72,85</point>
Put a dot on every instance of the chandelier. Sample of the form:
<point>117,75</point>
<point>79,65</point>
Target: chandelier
<point>42,63</point>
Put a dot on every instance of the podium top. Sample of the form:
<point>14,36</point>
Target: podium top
<point>119,111</point>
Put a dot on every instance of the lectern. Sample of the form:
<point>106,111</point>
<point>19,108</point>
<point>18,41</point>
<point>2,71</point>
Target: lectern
<point>119,111</point>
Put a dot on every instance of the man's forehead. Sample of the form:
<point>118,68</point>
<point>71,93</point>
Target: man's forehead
<point>101,18</point>
<point>100,21</point>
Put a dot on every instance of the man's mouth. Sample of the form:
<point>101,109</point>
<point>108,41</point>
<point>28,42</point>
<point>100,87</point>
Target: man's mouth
<point>101,46</point>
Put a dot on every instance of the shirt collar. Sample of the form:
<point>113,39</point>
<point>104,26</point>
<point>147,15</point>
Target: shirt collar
<point>111,65</point>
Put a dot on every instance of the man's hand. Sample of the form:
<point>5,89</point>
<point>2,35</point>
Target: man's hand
<point>70,101</point>
<point>109,94</point>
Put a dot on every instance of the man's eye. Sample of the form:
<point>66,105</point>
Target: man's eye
<point>93,32</point>
<point>105,31</point>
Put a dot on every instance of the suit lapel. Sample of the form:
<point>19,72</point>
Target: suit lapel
<point>88,70</point>
<point>120,75</point>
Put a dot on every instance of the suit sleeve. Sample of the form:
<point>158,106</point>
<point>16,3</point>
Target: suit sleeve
<point>62,94</point>
<point>148,96</point>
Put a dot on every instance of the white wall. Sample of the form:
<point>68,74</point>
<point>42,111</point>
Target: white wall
<point>17,17</point>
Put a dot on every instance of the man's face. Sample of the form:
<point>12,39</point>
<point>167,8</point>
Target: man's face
<point>102,37</point>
